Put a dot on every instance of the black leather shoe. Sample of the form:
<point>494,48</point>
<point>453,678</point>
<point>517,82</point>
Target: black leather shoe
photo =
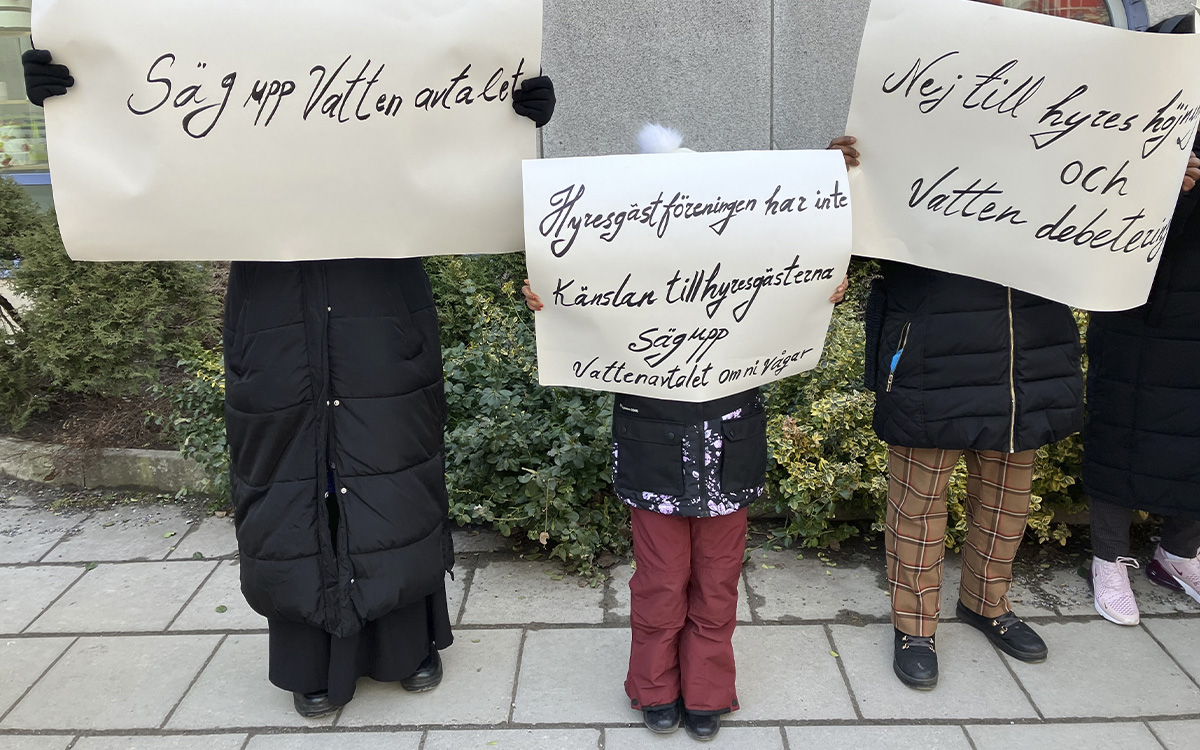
<point>1008,632</point>
<point>701,727</point>
<point>916,661</point>
<point>662,719</point>
<point>427,677</point>
<point>313,705</point>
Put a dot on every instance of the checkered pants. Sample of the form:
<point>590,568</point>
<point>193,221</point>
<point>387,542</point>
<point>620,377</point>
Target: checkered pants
<point>998,489</point>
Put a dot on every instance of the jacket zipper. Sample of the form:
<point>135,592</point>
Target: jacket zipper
<point>1012,379</point>
<point>899,353</point>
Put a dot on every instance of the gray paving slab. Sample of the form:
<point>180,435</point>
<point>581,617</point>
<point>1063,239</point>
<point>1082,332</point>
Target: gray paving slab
<point>126,532</point>
<point>24,662</point>
<point>113,683</point>
<point>211,537</point>
<point>160,742</point>
<point>974,683</point>
<point>788,673</point>
<point>879,738</point>
<point>27,534</point>
<point>731,738</point>
<point>25,592</point>
<point>233,691</point>
<point>339,741</point>
<point>1177,735</point>
<point>513,592</point>
<point>807,589</point>
<point>1097,669</point>
<point>1107,736</point>
<point>35,741</point>
<point>1181,638</point>
<point>514,739</point>
<point>124,597</point>
<point>1072,596</point>
<point>219,605</point>
<point>480,540</point>
<point>622,574</point>
<point>574,673</point>
<point>477,688</point>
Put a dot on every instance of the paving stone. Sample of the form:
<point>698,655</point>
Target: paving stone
<point>233,691</point>
<point>576,676</point>
<point>27,534</point>
<point>340,741</point>
<point>480,540</point>
<point>733,738</point>
<point>1177,735</point>
<point>36,742</point>
<point>622,574</point>
<point>177,742</point>
<point>126,597</point>
<point>788,673</point>
<point>1072,596</point>
<point>123,533</point>
<point>973,683</point>
<point>879,738</point>
<point>211,537</point>
<point>516,739</point>
<point>519,593</point>
<point>1097,669</point>
<point>223,590</point>
<point>1182,639</point>
<point>1109,736</point>
<point>113,683</point>
<point>25,592</point>
<point>477,688</point>
<point>808,589</point>
<point>23,662</point>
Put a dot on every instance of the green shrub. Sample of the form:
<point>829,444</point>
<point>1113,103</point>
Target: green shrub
<point>195,420</point>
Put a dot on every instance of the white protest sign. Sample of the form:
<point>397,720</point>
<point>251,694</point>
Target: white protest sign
<point>682,276</point>
<point>289,129</point>
<point>1036,152</point>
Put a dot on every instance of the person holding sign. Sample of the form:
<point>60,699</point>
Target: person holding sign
<point>1142,439</point>
<point>335,416</point>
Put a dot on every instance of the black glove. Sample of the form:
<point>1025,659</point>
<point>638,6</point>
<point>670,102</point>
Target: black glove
<point>535,99</point>
<point>43,79</point>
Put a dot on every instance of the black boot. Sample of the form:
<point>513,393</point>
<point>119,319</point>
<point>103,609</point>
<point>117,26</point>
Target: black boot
<point>313,705</point>
<point>662,719</point>
<point>702,727</point>
<point>916,661</point>
<point>1008,632</point>
<point>427,677</point>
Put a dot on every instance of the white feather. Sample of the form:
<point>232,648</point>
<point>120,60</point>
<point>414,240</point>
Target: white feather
<point>659,139</point>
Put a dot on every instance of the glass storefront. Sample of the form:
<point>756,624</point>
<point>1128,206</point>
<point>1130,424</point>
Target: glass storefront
<point>1092,11</point>
<point>22,125</point>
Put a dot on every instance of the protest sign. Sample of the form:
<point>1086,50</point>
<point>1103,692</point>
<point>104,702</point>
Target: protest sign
<point>1036,152</point>
<point>684,276</point>
<point>289,129</point>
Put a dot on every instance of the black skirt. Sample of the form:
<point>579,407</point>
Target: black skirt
<point>304,659</point>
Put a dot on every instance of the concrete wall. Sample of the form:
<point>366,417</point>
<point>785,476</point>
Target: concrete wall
<point>731,74</point>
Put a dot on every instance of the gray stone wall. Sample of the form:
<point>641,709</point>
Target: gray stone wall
<point>731,74</point>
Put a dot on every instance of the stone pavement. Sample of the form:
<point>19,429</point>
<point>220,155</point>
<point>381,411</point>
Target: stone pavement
<point>124,629</point>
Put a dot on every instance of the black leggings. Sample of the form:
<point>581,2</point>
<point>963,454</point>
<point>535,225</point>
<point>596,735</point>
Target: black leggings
<point>1110,533</point>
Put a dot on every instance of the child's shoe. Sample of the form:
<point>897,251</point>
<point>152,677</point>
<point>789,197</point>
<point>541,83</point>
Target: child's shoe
<point>1178,575</point>
<point>1111,590</point>
<point>662,719</point>
<point>702,727</point>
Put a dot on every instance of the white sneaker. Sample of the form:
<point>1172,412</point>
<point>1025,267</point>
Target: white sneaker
<point>1114,597</point>
<point>1186,573</point>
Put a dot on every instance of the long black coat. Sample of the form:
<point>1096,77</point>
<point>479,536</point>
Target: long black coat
<point>982,367</point>
<point>334,381</point>
<point>1142,442</point>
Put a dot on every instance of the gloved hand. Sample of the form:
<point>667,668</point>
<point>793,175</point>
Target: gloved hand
<point>535,99</point>
<point>44,79</point>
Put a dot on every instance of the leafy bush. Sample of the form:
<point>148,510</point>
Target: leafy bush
<point>196,420</point>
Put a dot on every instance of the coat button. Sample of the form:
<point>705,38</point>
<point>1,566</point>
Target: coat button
<point>337,402</point>
<point>351,581</point>
<point>344,490</point>
<point>670,436</point>
<point>326,495</point>
<point>329,309</point>
<point>624,430</point>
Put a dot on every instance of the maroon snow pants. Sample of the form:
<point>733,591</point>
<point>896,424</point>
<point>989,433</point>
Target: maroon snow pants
<point>684,597</point>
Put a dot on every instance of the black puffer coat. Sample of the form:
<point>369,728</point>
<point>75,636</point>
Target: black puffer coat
<point>1142,442</point>
<point>334,368</point>
<point>977,366</point>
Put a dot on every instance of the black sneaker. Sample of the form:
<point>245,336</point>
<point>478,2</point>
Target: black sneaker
<point>427,677</point>
<point>916,662</point>
<point>662,719</point>
<point>1010,634</point>
<point>701,727</point>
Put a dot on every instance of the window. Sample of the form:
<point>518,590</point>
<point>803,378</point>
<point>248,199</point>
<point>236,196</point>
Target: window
<point>22,127</point>
<point>1092,11</point>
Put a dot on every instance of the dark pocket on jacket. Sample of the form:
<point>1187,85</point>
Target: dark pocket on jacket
<point>649,456</point>
<point>744,463</point>
<point>873,320</point>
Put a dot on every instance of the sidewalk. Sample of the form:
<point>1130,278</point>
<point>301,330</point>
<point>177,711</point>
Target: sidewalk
<point>125,629</point>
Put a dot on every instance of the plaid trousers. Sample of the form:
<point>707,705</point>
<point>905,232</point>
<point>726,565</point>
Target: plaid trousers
<point>998,490</point>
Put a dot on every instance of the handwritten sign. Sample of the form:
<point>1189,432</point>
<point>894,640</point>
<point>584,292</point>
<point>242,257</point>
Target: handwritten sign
<point>684,276</point>
<point>1036,152</point>
<point>289,129</point>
